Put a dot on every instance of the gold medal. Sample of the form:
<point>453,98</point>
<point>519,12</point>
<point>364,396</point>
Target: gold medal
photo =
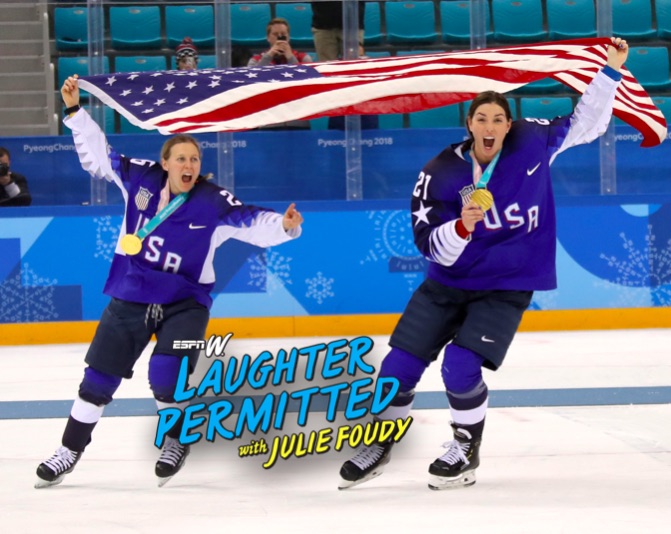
<point>483,198</point>
<point>131,244</point>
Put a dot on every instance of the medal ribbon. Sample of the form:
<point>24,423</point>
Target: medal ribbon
<point>162,215</point>
<point>481,179</point>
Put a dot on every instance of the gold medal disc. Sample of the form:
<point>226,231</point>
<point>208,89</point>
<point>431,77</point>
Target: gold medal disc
<point>483,198</point>
<point>131,244</point>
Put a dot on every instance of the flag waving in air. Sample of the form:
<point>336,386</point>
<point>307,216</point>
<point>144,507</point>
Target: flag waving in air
<point>236,99</point>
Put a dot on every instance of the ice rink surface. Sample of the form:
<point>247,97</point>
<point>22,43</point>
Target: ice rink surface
<point>577,440</point>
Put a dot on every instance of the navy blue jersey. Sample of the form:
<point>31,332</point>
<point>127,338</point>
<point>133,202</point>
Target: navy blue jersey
<point>176,260</point>
<point>514,247</point>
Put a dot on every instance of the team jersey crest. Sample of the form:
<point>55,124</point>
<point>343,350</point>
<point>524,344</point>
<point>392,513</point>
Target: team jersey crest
<point>142,198</point>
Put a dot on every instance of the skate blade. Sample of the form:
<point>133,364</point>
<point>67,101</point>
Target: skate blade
<point>441,483</point>
<point>41,483</point>
<point>346,484</point>
<point>162,481</point>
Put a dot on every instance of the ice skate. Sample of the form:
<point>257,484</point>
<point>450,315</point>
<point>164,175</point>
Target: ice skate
<point>52,471</point>
<point>173,456</point>
<point>366,465</point>
<point>456,468</point>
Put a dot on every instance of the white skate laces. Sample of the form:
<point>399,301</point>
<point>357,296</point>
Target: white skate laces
<point>172,452</point>
<point>62,460</point>
<point>456,452</point>
<point>368,456</point>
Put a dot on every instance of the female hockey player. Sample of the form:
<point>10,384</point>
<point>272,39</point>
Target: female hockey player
<point>160,279</point>
<point>483,215</point>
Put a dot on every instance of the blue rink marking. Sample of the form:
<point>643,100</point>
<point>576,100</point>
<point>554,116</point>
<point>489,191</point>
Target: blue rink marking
<point>429,400</point>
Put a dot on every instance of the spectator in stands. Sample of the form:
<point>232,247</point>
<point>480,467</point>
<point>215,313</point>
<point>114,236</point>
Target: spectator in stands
<point>14,190</point>
<point>280,51</point>
<point>186,55</point>
<point>327,28</point>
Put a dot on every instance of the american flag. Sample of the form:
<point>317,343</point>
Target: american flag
<point>236,99</point>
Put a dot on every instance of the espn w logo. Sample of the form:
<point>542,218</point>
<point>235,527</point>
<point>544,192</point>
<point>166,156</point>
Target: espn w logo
<point>214,346</point>
<point>188,344</point>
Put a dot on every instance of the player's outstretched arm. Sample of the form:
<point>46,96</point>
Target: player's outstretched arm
<point>292,218</point>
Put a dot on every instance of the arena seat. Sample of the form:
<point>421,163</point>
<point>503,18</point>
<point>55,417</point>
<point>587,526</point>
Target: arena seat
<point>79,65</point>
<point>632,20</point>
<point>518,21</point>
<point>455,21</point>
<point>135,27</point>
<point>195,21</point>
<point>139,63</point>
<point>248,24</point>
<point>545,107</point>
<point>442,117</point>
<point>373,24</point>
<point>546,85</point>
<point>71,28</point>
<point>299,16</point>
<point>391,121</point>
<point>571,19</point>
<point>663,15</point>
<point>410,22</point>
<point>650,66</point>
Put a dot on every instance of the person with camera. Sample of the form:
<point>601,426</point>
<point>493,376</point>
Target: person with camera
<point>14,190</point>
<point>280,51</point>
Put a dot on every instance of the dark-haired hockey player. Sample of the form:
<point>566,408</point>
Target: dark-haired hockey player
<point>483,214</point>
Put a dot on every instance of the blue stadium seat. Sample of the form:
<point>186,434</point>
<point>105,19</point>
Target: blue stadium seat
<point>208,61</point>
<point>248,24</point>
<point>443,117</point>
<point>69,66</point>
<point>378,53</point>
<point>71,28</point>
<point>545,107</point>
<point>455,21</point>
<point>632,19</point>
<point>322,123</point>
<point>518,21</point>
<point>299,16</point>
<point>664,104</point>
<point>139,63</point>
<point>109,120</point>
<point>512,102</point>
<point>544,86</point>
<point>571,19</point>
<point>391,121</point>
<point>193,21</point>
<point>135,27</point>
<point>650,66</point>
<point>410,22</point>
<point>372,24</point>
<point>417,52</point>
<point>663,14</point>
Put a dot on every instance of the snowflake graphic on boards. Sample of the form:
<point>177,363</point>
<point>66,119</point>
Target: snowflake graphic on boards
<point>646,267</point>
<point>394,244</point>
<point>27,298</point>
<point>319,288</point>
<point>107,235</point>
<point>271,271</point>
